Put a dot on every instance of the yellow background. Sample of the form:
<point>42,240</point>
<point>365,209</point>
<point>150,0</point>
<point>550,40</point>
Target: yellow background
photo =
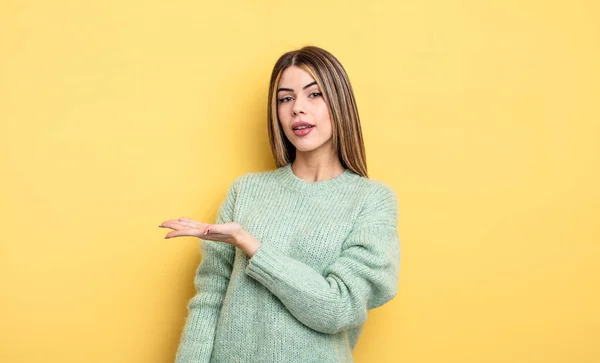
<point>482,115</point>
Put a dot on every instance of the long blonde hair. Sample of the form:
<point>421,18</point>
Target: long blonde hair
<point>333,81</point>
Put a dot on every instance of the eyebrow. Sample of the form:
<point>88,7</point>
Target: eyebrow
<point>291,90</point>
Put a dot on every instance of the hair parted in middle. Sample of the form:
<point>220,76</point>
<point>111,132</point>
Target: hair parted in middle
<point>335,85</point>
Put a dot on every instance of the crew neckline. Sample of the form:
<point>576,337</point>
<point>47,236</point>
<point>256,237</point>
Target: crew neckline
<point>292,181</point>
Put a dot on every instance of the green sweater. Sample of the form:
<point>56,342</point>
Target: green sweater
<point>330,252</point>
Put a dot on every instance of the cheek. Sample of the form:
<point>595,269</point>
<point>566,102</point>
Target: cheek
<point>323,112</point>
<point>282,111</point>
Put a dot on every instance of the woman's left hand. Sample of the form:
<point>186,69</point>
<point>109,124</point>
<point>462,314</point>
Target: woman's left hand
<point>223,232</point>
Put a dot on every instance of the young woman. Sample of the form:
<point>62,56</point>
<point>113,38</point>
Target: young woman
<point>299,254</point>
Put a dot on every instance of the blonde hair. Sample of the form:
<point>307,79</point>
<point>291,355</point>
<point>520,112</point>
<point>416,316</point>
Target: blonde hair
<point>333,81</point>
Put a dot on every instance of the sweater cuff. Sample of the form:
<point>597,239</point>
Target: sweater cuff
<point>263,264</point>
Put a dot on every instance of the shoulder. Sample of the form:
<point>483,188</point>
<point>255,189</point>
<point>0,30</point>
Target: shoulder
<point>379,202</point>
<point>376,191</point>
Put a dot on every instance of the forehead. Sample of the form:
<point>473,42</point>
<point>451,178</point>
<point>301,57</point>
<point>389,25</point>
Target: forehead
<point>295,77</point>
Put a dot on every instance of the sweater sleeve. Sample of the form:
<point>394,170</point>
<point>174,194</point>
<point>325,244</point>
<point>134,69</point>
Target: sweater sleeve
<point>363,277</point>
<point>211,280</point>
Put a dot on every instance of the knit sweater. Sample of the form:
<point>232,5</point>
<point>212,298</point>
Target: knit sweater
<point>329,253</point>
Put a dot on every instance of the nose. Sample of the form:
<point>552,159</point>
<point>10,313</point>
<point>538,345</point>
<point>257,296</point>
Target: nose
<point>298,107</point>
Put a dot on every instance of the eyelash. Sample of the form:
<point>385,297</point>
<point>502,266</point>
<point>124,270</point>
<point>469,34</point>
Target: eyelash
<point>317,94</point>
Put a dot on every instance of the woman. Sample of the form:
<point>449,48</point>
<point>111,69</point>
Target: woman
<point>299,254</point>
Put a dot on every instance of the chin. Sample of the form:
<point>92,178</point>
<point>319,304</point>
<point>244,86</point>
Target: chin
<point>305,145</point>
<point>304,148</point>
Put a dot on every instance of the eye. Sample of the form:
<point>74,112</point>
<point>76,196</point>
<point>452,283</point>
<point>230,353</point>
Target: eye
<point>285,99</point>
<point>315,94</point>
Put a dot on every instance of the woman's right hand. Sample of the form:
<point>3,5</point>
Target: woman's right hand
<point>185,227</point>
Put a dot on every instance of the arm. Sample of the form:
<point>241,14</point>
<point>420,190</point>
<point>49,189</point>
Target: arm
<point>212,278</point>
<point>364,277</point>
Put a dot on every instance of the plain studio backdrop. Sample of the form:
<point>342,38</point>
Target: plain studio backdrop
<point>482,115</point>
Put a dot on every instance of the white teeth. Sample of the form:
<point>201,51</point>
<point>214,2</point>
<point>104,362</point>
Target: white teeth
<point>302,127</point>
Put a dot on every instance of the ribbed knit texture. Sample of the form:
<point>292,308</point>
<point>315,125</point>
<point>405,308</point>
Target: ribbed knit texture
<point>330,252</point>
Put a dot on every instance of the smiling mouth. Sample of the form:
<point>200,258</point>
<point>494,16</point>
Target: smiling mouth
<point>302,127</point>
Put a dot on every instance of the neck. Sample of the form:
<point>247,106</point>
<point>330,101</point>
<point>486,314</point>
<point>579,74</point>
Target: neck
<point>313,168</point>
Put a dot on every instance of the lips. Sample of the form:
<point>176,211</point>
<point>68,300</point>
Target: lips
<point>298,124</point>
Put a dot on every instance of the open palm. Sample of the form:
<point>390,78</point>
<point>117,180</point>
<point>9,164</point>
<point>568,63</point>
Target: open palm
<point>222,232</point>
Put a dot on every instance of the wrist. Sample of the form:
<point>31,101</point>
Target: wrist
<point>247,243</point>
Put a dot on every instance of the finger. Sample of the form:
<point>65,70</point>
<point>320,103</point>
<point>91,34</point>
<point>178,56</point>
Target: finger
<point>192,232</point>
<point>174,225</point>
<point>217,228</point>
<point>190,224</point>
<point>168,221</point>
